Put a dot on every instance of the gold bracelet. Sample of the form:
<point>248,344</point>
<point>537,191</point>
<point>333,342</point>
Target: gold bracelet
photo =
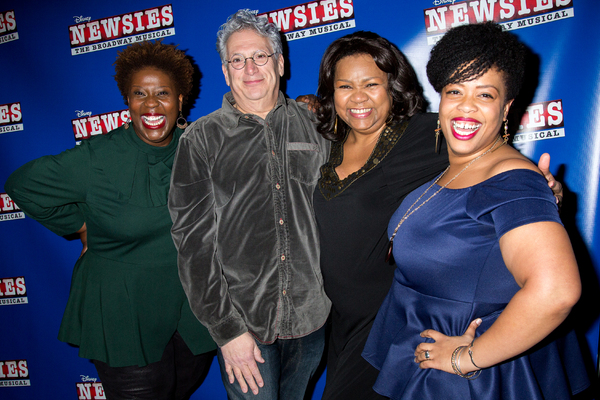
<point>455,362</point>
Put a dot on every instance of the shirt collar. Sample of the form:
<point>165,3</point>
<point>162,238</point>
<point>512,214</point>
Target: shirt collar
<point>231,115</point>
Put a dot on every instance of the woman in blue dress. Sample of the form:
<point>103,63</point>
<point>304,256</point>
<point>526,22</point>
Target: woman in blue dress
<point>485,271</point>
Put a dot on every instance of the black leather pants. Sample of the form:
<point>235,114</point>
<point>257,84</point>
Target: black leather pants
<point>175,377</point>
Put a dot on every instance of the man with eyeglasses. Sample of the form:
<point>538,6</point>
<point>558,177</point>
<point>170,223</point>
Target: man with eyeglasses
<point>241,204</point>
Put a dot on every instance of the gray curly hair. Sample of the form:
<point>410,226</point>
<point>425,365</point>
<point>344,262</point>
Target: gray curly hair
<point>246,19</point>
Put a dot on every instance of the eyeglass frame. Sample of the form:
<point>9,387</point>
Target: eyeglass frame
<point>250,58</point>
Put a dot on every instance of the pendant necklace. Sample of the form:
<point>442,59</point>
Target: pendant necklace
<point>410,210</point>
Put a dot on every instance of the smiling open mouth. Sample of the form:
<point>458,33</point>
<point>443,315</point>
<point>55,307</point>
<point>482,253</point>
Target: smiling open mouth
<point>464,128</point>
<point>153,121</point>
<point>360,111</point>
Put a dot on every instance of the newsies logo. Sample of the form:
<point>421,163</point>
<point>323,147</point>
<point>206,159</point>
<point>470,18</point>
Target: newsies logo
<point>14,373</point>
<point>11,118</point>
<point>13,291</point>
<point>8,27</point>
<point>313,18</point>
<point>8,209</point>
<point>88,125</point>
<point>121,30</point>
<point>89,389</point>
<point>541,121</point>
<point>512,14</point>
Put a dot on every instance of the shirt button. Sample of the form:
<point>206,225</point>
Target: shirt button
<point>280,221</point>
<point>283,257</point>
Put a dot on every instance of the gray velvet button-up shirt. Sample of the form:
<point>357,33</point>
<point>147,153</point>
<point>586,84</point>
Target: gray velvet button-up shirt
<point>243,223</point>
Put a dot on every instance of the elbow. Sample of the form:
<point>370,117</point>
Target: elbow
<point>562,299</point>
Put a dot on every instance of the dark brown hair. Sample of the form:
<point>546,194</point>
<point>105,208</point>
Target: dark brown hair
<point>164,57</point>
<point>403,85</point>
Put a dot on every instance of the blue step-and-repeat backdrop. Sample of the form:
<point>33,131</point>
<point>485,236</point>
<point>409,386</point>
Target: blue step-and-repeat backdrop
<point>56,70</point>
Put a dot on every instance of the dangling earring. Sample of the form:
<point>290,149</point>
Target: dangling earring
<point>438,131</point>
<point>126,124</point>
<point>335,126</point>
<point>506,134</point>
<point>389,119</point>
<point>181,122</point>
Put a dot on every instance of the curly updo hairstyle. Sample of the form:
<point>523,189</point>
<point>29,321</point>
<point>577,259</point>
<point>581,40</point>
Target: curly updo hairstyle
<point>467,52</point>
<point>403,84</point>
<point>164,57</point>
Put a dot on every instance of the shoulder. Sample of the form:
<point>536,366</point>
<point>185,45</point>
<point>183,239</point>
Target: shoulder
<point>510,159</point>
<point>424,120</point>
<point>510,185</point>
<point>421,129</point>
<point>418,139</point>
<point>116,137</point>
<point>300,109</point>
<point>210,123</point>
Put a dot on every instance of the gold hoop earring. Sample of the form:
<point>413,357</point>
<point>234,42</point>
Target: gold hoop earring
<point>438,131</point>
<point>506,134</point>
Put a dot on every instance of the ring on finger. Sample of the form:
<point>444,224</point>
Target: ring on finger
<point>427,354</point>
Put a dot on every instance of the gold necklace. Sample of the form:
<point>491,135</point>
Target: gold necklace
<point>408,212</point>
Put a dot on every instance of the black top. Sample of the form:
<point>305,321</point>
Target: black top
<point>353,215</point>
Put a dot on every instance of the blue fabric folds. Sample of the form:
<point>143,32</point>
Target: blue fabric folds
<point>450,272</point>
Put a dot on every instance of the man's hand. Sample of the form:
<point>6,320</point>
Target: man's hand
<point>556,186</point>
<point>240,356</point>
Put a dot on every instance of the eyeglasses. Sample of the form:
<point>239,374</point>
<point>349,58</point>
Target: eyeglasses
<point>260,58</point>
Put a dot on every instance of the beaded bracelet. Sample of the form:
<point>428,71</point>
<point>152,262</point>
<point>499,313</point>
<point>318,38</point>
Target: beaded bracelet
<point>455,362</point>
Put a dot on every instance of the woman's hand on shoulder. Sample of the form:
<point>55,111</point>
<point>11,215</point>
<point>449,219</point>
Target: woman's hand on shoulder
<point>311,100</point>
<point>556,186</point>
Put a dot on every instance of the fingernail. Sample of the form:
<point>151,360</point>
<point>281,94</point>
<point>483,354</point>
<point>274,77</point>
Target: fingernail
<point>478,321</point>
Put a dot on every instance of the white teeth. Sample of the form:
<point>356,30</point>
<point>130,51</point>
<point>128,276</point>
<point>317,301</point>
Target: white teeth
<point>465,126</point>
<point>360,110</point>
<point>153,119</point>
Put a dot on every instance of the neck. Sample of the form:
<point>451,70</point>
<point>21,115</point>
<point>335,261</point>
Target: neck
<point>259,107</point>
<point>460,160</point>
<point>364,138</point>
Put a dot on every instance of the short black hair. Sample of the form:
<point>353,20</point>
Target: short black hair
<point>466,52</point>
<point>403,84</point>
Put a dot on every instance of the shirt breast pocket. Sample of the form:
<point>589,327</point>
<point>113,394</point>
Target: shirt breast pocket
<point>304,161</point>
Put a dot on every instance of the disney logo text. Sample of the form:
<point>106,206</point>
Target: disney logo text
<point>85,378</point>
<point>81,18</point>
<point>81,113</point>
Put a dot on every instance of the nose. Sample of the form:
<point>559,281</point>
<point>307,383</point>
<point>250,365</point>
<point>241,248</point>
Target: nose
<point>358,96</point>
<point>467,104</point>
<point>150,101</point>
<point>250,67</point>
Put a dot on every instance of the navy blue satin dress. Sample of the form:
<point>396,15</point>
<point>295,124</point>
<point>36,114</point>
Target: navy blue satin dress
<point>449,272</point>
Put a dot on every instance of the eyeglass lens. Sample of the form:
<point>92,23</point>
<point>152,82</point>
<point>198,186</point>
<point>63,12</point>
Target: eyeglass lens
<point>260,58</point>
